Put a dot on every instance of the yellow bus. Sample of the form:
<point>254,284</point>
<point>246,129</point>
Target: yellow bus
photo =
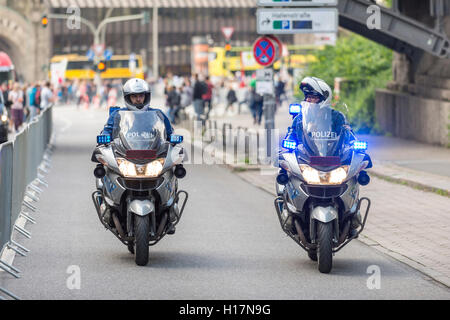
<point>222,64</point>
<point>79,67</point>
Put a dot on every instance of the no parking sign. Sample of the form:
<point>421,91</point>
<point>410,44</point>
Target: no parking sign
<point>266,50</point>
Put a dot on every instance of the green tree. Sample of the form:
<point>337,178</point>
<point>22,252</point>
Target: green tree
<point>365,66</point>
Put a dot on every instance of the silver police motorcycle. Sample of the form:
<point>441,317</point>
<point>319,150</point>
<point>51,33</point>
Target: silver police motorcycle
<point>318,203</point>
<point>137,196</point>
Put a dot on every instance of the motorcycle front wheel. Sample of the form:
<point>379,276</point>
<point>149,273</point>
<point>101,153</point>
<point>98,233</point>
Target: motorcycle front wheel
<point>325,246</point>
<point>141,234</point>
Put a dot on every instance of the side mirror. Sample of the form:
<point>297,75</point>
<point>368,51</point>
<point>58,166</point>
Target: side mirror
<point>176,139</point>
<point>103,139</point>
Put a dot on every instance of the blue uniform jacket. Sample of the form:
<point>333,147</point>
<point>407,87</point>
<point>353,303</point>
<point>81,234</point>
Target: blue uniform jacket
<point>107,130</point>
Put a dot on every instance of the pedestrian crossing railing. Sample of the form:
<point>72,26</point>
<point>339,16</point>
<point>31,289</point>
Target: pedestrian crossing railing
<point>24,162</point>
<point>232,145</point>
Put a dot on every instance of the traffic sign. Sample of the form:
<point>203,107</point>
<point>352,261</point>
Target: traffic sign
<point>227,32</point>
<point>90,55</point>
<point>108,54</point>
<point>264,87</point>
<point>266,51</point>
<point>297,3</point>
<point>264,74</point>
<point>296,20</point>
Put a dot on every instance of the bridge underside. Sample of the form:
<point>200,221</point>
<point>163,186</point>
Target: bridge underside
<point>416,104</point>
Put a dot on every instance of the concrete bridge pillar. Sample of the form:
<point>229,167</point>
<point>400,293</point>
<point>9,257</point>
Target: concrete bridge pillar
<point>416,104</point>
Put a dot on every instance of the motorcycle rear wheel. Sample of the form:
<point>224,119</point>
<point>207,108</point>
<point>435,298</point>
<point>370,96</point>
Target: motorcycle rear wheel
<point>325,246</point>
<point>141,234</point>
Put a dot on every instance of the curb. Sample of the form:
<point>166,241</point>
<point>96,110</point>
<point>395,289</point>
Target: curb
<point>430,272</point>
<point>410,183</point>
<point>376,173</point>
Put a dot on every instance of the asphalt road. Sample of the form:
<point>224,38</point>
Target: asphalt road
<point>228,245</point>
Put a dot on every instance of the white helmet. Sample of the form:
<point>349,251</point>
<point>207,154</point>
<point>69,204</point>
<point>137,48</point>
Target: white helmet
<point>135,86</point>
<point>316,87</point>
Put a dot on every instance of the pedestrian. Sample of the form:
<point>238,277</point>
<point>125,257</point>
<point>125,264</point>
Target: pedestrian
<point>186,94</point>
<point>104,94</point>
<point>256,104</point>
<point>31,94</point>
<point>89,92</point>
<point>7,102</point>
<point>231,98</point>
<point>2,103</point>
<point>112,96</point>
<point>279,92</point>
<point>16,97</point>
<point>207,97</point>
<point>173,101</point>
<point>26,109</point>
<point>37,96</point>
<point>198,91</point>
<point>46,96</point>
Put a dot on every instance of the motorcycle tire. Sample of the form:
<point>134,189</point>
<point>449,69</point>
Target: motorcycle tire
<point>312,255</point>
<point>325,246</point>
<point>141,234</point>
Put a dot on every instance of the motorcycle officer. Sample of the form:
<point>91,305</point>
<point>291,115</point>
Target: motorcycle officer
<point>137,96</point>
<point>319,92</point>
<point>316,91</point>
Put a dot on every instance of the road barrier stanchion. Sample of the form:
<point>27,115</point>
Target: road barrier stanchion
<point>4,291</point>
<point>23,163</point>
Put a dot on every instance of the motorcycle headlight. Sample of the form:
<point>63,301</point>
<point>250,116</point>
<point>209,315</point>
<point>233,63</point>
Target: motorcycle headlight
<point>127,168</point>
<point>313,176</point>
<point>149,170</point>
<point>4,118</point>
<point>338,175</point>
<point>154,168</point>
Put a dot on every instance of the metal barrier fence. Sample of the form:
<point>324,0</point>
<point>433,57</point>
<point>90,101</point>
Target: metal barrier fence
<point>20,162</point>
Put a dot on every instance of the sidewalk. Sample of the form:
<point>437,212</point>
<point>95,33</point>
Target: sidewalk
<point>406,220</point>
<point>398,160</point>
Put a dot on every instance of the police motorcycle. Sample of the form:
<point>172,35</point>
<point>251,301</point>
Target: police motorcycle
<point>319,203</point>
<point>137,196</point>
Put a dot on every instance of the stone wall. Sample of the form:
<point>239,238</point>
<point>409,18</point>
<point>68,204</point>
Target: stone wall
<point>412,117</point>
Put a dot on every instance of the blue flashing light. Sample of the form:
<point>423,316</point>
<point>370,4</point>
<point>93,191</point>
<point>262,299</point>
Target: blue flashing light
<point>295,109</point>
<point>103,139</point>
<point>289,144</point>
<point>174,138</point>
<point>360,145</point>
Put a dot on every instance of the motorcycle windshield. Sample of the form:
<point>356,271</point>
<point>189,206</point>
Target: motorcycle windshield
<point>320,129</point>
<point>139,130</point>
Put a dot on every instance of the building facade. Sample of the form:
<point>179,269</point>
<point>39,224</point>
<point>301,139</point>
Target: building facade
<point>179,21</point>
